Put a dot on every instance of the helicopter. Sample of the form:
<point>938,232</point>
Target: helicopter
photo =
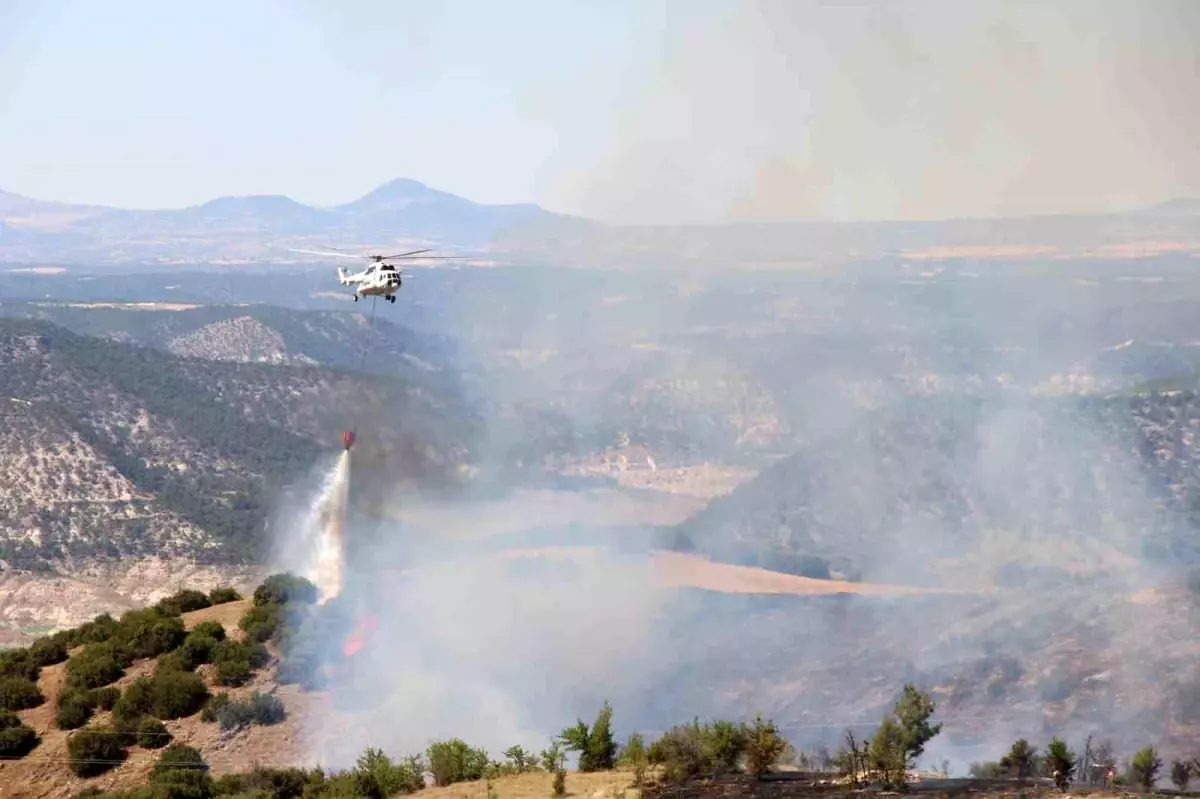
<point>381,278</point>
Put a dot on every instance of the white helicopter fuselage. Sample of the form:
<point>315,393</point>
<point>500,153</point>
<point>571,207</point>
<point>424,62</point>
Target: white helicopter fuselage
<point>373,281</point>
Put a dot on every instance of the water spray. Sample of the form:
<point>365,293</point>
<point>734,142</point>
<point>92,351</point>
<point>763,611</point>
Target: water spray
<point>329,512</point>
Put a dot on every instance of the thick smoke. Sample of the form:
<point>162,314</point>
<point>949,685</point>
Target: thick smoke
<point>777,109</point>
<point>499,652</point>
<point>927,456</point>
<point>911,401</point>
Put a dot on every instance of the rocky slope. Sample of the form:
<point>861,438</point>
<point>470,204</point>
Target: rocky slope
<point>112,450</point>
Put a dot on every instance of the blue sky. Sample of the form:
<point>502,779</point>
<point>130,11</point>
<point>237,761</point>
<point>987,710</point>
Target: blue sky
<point>629,110</point>
<point>146,103</point>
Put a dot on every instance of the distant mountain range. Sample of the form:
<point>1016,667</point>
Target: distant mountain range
<point>259,228</point>
<point>406,212</point>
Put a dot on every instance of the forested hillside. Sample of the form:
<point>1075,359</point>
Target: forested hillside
<point>1037,484</point>
<point>113,449</point>
<point>252,333</point>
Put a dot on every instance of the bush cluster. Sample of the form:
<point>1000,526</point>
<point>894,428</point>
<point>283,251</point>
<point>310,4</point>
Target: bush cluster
<point>94,751</point>
<point>696,749</point>
<point>261,709</point>
<point>454,761</point>
<point>185,601</point>
<point>16,738</point>
<point>19,663</point>
<point>97,665</point>
<point>19,693</point>
<point>142,633</point>
<point>221,596</point>
<point>171,693</point>
<point>152,733</point>
<point>236,661</point>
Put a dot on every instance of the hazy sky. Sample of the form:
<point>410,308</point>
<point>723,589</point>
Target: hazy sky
<point>629,110</point>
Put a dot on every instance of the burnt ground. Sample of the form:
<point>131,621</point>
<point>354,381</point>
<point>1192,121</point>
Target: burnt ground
<point>795,786</point>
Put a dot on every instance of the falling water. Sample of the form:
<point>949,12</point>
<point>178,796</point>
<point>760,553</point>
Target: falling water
<point>327,515</point>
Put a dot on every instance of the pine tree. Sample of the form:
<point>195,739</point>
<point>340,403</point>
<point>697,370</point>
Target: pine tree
<point>1061,762</point>
<point>912,711</point>
<point>1020,759</point>
<point>601,747</point>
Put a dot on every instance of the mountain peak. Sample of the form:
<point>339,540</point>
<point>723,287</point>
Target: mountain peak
<point>395,195</point>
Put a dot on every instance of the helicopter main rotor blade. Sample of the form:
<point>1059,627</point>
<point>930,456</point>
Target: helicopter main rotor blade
<point>319,252</point>
<point>398,255</point>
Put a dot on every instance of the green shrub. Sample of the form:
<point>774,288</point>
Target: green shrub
<point>273,783</point>
<point>764,746</point>
<point>179,756</point>
<point>634,756</point>
<point>196,649</point>
<point>185,601</point>
<point>233,715</point>
<point>16,738</point>
<point>103,698</point>
<point>268,709</point>
<point>235,661</point>
<point>97,665</point>
<point>168,663</point>
<point>150,632</point>
<point>680,752</point>
<point>723,744</point>
<point>126,729</point>
<point>454,761</point>
<point>220,596</point>
<point>137,701</point>
<point>257,656</point>
<point>94,751</point>
<point>230,650</point>
<point>177,694</point>
<point>180,783</point>
<point>98,630</point>
<point>233,673</point>
<point>280,589</point>
<point>262,709</point>
<point>18,693</point>
<point>73,711</point>
<point>376,775</point>
<point>213,629</point>
<point>261,622</point>
<point>560,783</point>
<point>48,651</point>
<point>19,663</point>
<point>152,734</point>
